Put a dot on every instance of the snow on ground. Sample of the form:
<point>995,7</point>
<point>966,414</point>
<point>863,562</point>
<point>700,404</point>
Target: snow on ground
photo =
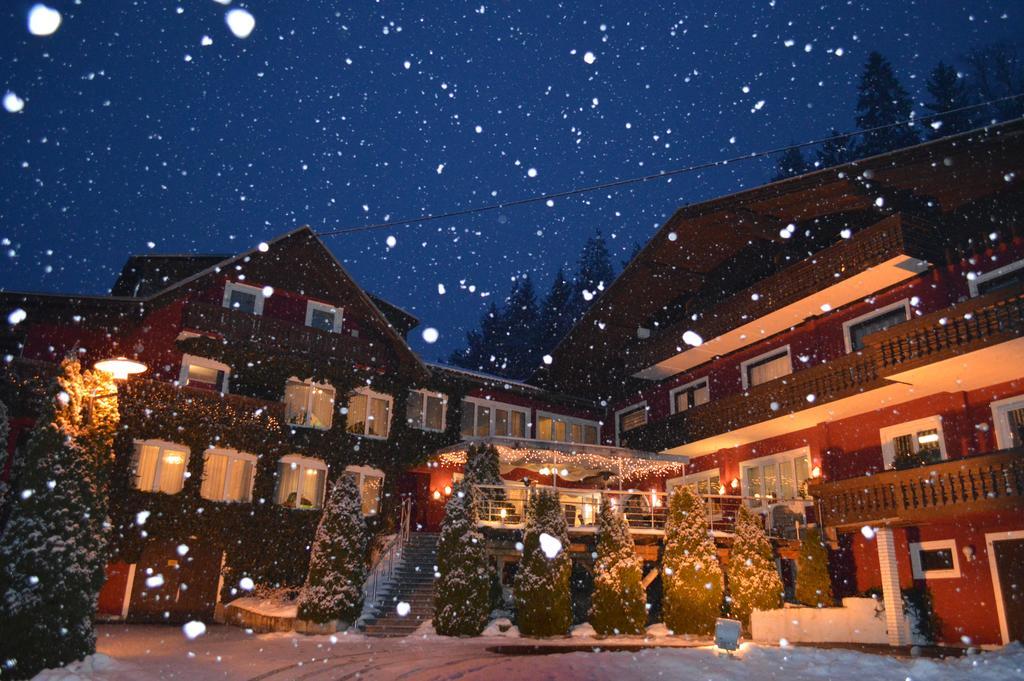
<point>147,653</point>
<point>271,607</point>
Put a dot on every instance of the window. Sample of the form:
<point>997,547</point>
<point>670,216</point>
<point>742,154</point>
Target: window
<point>913,443</point>
<point>705,482</point>
<point>1008,417</point>
<point>766,367</point>
<point>877,320</point>
<point>243,297</point>
<point>308,404</point>
<point>323,316</point>
<point>227,475</point>
<point>629,418</point>
<point>159,466</point>
<point>484,418</point>
<point>555,428</point>
<point>200,372</point>
<point>370,483</point>
<point>690,395</point>
<point>425,410</point>
<point>998,279</point>
<point>301,482</point>
<point>934,559</point>
<point>776,477</point>
<point>369,413</point>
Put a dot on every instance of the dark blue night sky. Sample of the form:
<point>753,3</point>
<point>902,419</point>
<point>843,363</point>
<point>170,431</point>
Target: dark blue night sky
<point>135,133</point>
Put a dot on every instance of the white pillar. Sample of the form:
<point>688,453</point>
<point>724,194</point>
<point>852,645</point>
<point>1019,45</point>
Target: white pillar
<point>896,623</point>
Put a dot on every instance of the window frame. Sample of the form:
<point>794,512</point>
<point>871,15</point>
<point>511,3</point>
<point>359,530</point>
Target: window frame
<point>370,394</point>
<point>232,455</point>
<point>868,316</point>
<point>695,479</point>
<point>230,286</point>
<point>162,445</point>
<point>685,388</point>
<point>569,422</point>
<point>423,410</point>
<point>889,434</point>
<point>915,559</point>
<point>493,406</point>
<point>973,284</point>
<point>338,312</point>
<point>188,360</point>
<point>632,407</point>
<point>763,503</point>
<point>363,472</point>
<point>1000,412</point>
<point>309,401</point>
<point>303,463</point>
<point>762,358</point>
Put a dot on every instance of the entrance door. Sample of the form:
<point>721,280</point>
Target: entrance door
<point>416,487</point>
<point>1008,560</point>
<point>173,588</point>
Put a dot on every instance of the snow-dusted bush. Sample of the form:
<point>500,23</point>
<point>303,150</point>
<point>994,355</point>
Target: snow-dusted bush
<point>543,600</point>
<point>337,565</point>
<point>462,600</point>
<point>619,600</point>
<point>813,581</point>
<point>754,582</point>
<point>482,465</point>
<point>692,577</point>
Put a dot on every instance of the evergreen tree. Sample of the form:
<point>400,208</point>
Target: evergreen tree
<point>835,152</point>
<point>948,92</point>
<point>996,71</point>
<point>53,550</point>
<point>4,456</point>
<point>754,583</point>
<point>882,101</point>
<point>520,328</point>
<point>813,581</point>
<point>462,601</point>
<point>542,594</point>
<point>483,346</point>
<point>692,580</point>
<point>619,600</point>
<point>555,317</point>
<point>337,564</point>
<point>482,465</point>
<point>594,274</point>
<point>791,163</point>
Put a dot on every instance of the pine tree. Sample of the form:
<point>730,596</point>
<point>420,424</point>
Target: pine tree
<point>996,72</point>
<point>692,580</point>
<point>482,465</point>
<point>462,601</point>
<point>483,346</point>
<point>882,101</point>
<point>4,434</point>
<point>619,600</point>
<point>791,163</point>
<point>948,92</point>
<point>555,317</point>
<point>337,564</point>
<point>542,593</point>
<point>754,582</point>
<point>835,152</point>
<point>53,550</point>
<point>520,325</point>
<point>593,275</point>
<point>813,581</point>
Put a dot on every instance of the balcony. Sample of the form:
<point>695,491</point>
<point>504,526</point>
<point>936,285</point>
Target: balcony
<point>874,259</point>
<point>282,336</point>
<point>964,347</point>
<point>990,482</point>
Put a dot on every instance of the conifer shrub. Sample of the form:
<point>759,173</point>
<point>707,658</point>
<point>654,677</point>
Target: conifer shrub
<point>337,566</point>
<point>692,576</point>
<point>754,582</point>
<point>463,598</point>
<point>542,591</point>
<point>619,599</point>
<point>813,581</point>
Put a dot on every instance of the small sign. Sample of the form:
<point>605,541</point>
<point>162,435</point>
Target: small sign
<point>727,634</point>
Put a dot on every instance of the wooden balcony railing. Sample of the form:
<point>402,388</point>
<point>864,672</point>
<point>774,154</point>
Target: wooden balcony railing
<point>966,327</point>
<point>893,236</point>
<point>948,489</point>
<point>241,327</point>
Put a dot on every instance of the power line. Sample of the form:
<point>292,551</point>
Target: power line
<point>654,176</point>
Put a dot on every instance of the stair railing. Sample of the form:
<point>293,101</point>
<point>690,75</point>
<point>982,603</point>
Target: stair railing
<point>383,569</point>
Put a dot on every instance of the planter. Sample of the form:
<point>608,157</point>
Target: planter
<point>313,628</point>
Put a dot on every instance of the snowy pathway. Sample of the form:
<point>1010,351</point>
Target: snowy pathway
<point>145,653</point>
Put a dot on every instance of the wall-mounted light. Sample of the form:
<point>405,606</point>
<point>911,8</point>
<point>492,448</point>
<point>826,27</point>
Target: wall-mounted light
<point>968,552</point>
<point>735,484</point>
<point>721,490</point>
<point>437,495</point>
<point>447,490</point>
<point>503,513</point>
<point>816,472</point>
<point>564,472</point>
<point>545,471</point>
<point>120,367</point>
<point>927,438</point>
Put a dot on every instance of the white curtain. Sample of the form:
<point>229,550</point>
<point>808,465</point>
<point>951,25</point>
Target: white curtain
<point>145,466</point>
<point>322,407</point>
<point>357,414</point>
<point>214,469</point>
<point>172,470</point>
<point>379,417</point>
<point>288,483</point>
<point>239,480</point>
<point>312,488</point>
<point>768,371</point>
<point>296,397</point>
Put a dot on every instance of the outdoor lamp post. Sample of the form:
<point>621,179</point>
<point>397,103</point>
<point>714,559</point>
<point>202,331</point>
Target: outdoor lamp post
<point>119,367</point>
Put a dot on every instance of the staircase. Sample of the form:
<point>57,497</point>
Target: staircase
<point>413,583</point>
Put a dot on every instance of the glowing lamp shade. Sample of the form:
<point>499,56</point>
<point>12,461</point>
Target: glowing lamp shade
<point>447,490</point>
<point>735,484</point>
<point>503,513</point>
<point>816,472</point>
<point>437,494</point>
<point>545,471</point>
<point>120,367</point>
